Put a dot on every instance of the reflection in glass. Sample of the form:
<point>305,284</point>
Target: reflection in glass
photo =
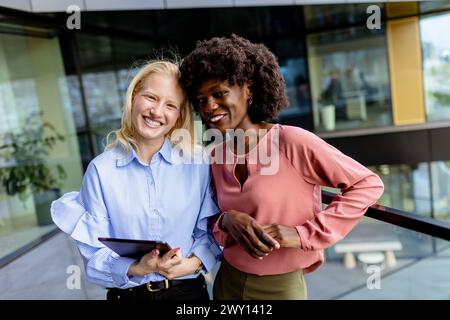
<point>107,65</point>
<point>293,68</point>
<point>349,79</point>
<point>34,103</point>
<point>406,187</point>
<point>436,65</point>
<point>440,177</point>
<point>386,262</point>
<point>73,102</point>
<point>429,6</point>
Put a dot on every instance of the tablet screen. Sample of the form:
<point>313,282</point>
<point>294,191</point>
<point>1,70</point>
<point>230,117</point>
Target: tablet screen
<point>134,249</point>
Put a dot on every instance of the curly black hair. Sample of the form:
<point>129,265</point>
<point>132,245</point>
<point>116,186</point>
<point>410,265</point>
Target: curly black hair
<point>238,61</point>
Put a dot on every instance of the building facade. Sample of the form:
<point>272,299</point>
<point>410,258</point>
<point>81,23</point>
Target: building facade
<point>374,82</point>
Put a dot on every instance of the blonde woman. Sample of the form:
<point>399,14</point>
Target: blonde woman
<point>137,190</point>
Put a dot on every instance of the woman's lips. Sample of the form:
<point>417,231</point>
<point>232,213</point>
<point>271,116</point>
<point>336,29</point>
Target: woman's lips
<point>217,118</point>
<point>152,123</point>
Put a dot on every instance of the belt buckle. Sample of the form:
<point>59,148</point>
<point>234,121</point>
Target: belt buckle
<point>149,286</point>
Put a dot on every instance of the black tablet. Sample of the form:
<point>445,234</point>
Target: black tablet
<point>134,249</point>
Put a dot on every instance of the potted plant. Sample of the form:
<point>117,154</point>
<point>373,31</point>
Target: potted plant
<point>24,169</point>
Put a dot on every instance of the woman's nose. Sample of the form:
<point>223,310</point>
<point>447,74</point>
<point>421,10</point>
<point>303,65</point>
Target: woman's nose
<point>211,105</point>
<point>156,108</point>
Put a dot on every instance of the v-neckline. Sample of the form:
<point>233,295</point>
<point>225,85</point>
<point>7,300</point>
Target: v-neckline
<point>246,156</point>
<point>247,174</point>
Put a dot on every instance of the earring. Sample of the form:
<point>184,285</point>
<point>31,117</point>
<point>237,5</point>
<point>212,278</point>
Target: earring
<point>250,101</point>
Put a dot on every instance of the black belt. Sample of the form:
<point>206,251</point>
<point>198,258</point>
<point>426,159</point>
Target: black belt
<point>153,286</point>
<point>165,284</point>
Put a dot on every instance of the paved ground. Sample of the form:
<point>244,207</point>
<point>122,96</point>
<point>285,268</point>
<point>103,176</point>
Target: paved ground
<point>42,274</point>
<point>20,237</point>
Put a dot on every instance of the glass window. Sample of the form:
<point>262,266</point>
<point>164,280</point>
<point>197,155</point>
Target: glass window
<point>107,66</point>
<point>393,260</point>
<point>34,100</point>
<point>349,79</point>
<point>101,87</point>
<point>292,59</point>
<point>331,16</point>
<point>436,65</point>
<point>406,187</point>
<point>430,6</point>
<point>297,87</point>
<point>397,253</point>
<point>440,177</point>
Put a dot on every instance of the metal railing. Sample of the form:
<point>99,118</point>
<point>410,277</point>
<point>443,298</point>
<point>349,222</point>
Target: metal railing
<point>407,220</point>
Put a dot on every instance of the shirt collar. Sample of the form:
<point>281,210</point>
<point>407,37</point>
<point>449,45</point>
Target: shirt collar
<point>165,152</point>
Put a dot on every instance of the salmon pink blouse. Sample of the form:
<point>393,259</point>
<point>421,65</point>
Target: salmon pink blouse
<point>286,189</point>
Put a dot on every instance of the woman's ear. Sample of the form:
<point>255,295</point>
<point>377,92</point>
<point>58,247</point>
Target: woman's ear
<point>249,88</point>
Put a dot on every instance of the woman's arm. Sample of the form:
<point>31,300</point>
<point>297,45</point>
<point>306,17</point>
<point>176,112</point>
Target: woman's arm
<point>205,251</point>
<point>107,269</point>
<point>204,248</point>
<point>342,214</point>
<point>85,218</point>
<point>323,165</point>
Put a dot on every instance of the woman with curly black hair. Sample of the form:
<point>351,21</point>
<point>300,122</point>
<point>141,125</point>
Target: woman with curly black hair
<point>272,227</point>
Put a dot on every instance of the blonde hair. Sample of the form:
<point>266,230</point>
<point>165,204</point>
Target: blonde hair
<point>125,136</point>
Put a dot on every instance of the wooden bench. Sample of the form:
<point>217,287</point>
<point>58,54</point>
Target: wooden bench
<point>349,248</point>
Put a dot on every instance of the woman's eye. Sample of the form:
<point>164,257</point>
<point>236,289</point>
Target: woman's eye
<point>172,107</point>
<point>201,101</point>
<point>219,94</point>
<point>151,98</point>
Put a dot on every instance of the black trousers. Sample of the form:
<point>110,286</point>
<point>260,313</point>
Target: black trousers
<point>189,289</point>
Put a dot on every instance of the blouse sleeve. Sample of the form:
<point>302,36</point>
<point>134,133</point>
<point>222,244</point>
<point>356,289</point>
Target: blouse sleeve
<point>223,238</point>
<point>204,246</point>
<point>84,217</point>
<point>322,164</point>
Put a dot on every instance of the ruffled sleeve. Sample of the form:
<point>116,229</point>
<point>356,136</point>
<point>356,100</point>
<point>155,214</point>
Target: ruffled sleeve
<point>84,215</point>
<point>72,218</point>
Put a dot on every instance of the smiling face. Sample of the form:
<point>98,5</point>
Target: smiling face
<point>156,108</point>
<point>224,106</point>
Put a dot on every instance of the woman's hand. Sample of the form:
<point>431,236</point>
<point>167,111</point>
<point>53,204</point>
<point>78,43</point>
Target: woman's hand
<point>186,267</point>
<point>152,262</point>
<point>249,234</point>
<point>288,237</point>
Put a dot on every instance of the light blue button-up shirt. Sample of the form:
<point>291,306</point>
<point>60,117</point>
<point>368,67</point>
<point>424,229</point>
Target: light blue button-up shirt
<point>122,197</point>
